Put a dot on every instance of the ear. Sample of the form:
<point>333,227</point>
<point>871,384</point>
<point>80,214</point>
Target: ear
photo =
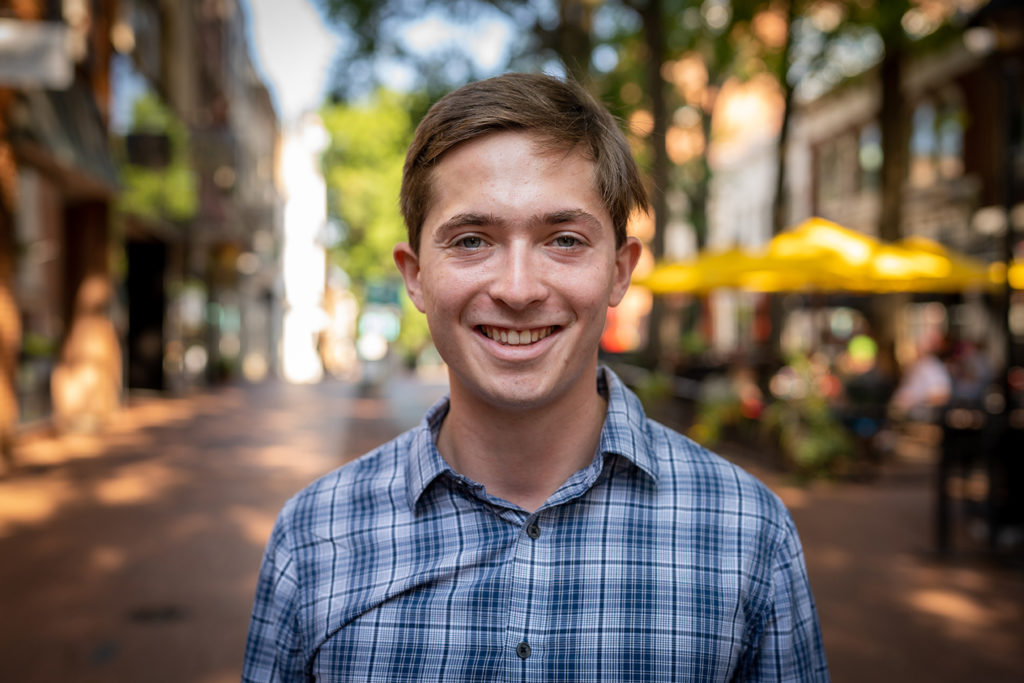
<point>409,266</point>
<point>625,261</point>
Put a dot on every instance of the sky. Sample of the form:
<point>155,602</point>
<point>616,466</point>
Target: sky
<point>293,49</point>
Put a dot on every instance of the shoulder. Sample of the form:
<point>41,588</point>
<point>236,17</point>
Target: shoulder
<point>700,471</point>
<point>732,519</point>
<point>718,502</point>
<point>702,484</point>
<point>372,485</point>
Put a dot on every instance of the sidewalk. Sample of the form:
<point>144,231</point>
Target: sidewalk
<point>890,608</point>
<point>133,556</point>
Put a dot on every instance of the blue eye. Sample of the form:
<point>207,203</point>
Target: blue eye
<point>470,242</point>
<point>566,241</point>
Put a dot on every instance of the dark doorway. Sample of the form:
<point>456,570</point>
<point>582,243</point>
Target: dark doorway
<point>147,303</point>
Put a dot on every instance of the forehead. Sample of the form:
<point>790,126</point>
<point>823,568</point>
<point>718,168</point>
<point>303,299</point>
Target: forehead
<point>506,144</point>
<point>511,165</point>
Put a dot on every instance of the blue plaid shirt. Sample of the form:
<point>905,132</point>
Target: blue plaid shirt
<point>659,561</point>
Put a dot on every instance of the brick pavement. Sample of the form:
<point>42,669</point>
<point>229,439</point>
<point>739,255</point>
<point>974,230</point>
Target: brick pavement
<point>890,608</point>
<point>133,556</point>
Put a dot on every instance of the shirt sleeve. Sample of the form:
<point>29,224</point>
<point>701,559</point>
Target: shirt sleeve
<point>790,647</point>
<point>273,651</point>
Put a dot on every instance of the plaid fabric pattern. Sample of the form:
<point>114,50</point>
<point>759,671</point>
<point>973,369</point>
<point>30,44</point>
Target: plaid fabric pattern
<point>658,562</point>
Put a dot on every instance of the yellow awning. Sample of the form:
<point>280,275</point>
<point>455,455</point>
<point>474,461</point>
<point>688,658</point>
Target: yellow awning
<point>818,255</point>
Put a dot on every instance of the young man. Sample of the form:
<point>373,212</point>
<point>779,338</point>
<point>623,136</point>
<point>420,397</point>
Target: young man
<point>536,526</point>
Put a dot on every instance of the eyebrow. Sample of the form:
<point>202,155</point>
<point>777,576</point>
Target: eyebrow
<point>462,220</point>
<point>568,216</point>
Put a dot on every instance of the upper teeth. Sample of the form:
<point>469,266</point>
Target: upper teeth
<point>515,337</point>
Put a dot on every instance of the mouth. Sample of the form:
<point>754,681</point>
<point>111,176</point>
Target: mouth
<point>511,337</point>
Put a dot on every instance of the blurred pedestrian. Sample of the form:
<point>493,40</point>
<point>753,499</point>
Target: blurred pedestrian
<point>866,390</point>
<point>971,375</point>
<point>926,387</point>
<point>536,525</point>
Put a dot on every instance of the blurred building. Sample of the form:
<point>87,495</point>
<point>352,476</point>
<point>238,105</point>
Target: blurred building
<point>304,258</point>
<point>58,182</point>
<point>955,190</point>
<point>144,259</point>
<point>203,286</point>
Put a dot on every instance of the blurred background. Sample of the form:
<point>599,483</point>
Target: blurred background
<point>199,312</point>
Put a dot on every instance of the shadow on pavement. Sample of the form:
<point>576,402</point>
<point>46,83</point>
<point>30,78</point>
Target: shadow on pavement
<point>133,556</point>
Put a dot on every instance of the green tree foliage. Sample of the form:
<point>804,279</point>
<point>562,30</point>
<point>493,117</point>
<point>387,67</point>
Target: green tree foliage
<point>415,334</point>
<point>373,32</point>
<point>161,194</point>
<point>363,169</point>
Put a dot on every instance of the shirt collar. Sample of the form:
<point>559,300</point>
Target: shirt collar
<point>624,433</point>
<point>425,463</point>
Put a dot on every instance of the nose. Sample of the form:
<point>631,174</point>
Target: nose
<point>518,279</point>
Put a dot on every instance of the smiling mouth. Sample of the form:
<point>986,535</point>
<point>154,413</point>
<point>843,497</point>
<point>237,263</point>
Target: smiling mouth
<point>509,337</point>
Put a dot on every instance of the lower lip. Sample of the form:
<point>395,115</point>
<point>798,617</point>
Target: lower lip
<point>519,351</point>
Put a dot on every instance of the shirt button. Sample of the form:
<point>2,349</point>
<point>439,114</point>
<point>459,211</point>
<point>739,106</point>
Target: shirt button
<point>533,531</point>
<point>523,650</point>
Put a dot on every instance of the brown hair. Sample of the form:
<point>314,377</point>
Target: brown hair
<point>561,114</point>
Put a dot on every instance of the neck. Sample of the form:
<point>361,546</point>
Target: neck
<point>523,456</point>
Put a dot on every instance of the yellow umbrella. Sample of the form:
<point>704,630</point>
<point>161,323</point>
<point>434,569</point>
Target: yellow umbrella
<point>791,273</point>
<point>860,263</point>
<point>952,271</point>
<point>793,262</point>
<point>997,273</point>
<point>836,255</point>
<point>710,270</point>
<point>822,256</point>
<point>1017,274</point>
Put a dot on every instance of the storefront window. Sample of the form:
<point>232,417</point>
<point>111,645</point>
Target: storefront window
<point>924,145</point>
<point>937,140</point>
<point>38,286</point>
<point>837,168</point>
<point>869,157</point>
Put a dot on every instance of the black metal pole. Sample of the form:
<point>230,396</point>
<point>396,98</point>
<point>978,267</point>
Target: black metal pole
<point>1010,70</point>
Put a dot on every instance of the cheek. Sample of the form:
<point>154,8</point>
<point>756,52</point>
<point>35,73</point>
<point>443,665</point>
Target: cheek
<point>446,294</point>
<point>591,302</point>
<point>595,287</point>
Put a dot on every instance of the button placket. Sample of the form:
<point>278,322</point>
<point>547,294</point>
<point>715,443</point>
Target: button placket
<point>530,597</point>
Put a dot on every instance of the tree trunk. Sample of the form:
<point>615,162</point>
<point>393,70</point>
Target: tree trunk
<point>777,312</point>
<point>654,38</point>
<point>10,340</point>
<point>779,202</point>
<point>10,316</point>
<point>572,38</point>
<point>894,120</point>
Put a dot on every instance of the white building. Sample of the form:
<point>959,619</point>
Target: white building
<point>303,257</point>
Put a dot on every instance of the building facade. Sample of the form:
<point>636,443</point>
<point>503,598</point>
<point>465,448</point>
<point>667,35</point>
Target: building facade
<point>60,354</point>
<point>138,243</point>
<point>955,191</point>
<point>220,287</point>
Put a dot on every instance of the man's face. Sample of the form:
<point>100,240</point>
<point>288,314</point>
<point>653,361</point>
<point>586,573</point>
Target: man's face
<point>516,268</point>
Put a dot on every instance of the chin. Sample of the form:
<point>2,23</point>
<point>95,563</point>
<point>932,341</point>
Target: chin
<point>514,399</point>
<point>518,392</point>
